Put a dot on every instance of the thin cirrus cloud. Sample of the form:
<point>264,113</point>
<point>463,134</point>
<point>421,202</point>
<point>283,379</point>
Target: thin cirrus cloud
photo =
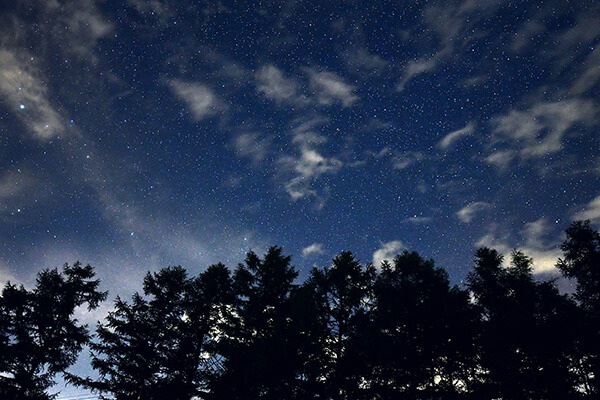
<point>319,87</point>
<point>274,85</point>
<point>330,88</point>
<point>24,92</point>
<point>454,137</point>
<point>540,130</point>
<point>252,145</point>
<point>591,211</point>
<point>468,213</point>
<point>304,169</point>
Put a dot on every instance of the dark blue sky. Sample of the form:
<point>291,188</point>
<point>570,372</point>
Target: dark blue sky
<point>140,134</point>
<point>136,135</point>
<point>151,133</point>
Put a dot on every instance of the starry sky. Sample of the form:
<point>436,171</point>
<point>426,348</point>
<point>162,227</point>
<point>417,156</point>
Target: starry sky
<point>140,134</point>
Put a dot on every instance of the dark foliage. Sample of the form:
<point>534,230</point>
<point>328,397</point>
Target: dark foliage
<point>39,336</point>
<point>351,331</point>
<point>154,347</point>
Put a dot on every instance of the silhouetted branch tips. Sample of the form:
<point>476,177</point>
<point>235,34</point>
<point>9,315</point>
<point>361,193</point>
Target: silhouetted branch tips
<point>399,330</point>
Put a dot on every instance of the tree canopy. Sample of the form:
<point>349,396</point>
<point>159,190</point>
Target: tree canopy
<point>39,335</point>
<point>350,330</point>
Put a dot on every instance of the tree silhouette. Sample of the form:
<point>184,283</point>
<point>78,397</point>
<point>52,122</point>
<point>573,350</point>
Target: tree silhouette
<point>423,347</point>
<point>526,343</point>
<point>581,250</point>
<point>156,347</point>
<point>39,336</point>
<point>340,294</point>
<point>349,332</point>
<point>259,343</point>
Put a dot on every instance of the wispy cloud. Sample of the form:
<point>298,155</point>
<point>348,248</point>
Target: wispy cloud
<point>404,160</point>
<point>526,34</point>
<point>25,93</point>
<point>252,145</point>
<point>387,252</point>
<point>540,130</point>
<point>312,250</point>
<point>201,100</point>
<point>271,82</point>
<point>329,88</point>
<point>360,59</point>
<point>468,212</point>
<point>449,21</point>
<point>303,169</point>
<point>415,68</point>
<point>453,137</point>
<point>591,211</point>
<point>418,220</point>
<point>307,167</point>
<point>501,159</point>
<point>588,74</point>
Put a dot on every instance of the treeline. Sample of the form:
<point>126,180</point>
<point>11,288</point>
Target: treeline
<point>349,331</point>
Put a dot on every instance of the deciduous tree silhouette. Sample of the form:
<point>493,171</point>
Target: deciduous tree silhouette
<point>39,335</point>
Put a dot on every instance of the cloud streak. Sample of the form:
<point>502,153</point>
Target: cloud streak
<point>452,138</point>
<point>24,92</point>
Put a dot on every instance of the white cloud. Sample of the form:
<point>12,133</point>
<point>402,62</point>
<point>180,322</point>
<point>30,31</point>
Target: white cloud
<point>450,139</point>
<point>307,168</point>
<point>251,145</point>
<point>329,88</point>
<point>415,68</point>
<point>85,27</point>
<point>468,212</point>
<point>24,92</point>
<point>308,165</point>
<point>500,159</point>
<point>306,131</point>
<point>271,82</point>
<point>12,184</point>
<point>404,160</point>
<point>199,97</point>
<point>540,130</point>
<point>313,249</point>
<point>538,244</point>
<point>491,241</point>
<point>591,211</point>
<point>387,252</point>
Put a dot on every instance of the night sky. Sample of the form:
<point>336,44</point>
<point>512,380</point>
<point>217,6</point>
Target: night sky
<point>141,134</point>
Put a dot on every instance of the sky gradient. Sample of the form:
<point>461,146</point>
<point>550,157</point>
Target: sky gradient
<point>141,134</point>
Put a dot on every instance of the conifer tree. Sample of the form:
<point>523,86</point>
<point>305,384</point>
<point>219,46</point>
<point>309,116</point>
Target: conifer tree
<point>39,335</point>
